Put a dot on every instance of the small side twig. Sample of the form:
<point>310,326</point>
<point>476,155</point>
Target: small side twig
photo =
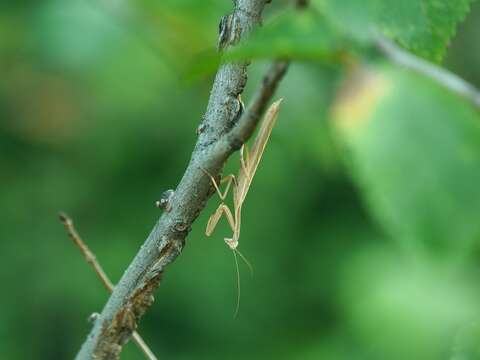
<point>260,99</point>
<point>92,260</point>
<point>438,74</point>
<point>87,253</point>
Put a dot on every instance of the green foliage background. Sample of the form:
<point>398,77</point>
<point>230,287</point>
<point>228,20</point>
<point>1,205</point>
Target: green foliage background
<point>363,222</point>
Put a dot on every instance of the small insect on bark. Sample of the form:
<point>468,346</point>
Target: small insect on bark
<point>241,184</point>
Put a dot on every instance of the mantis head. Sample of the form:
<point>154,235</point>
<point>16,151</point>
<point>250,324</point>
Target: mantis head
<point>232,243</point>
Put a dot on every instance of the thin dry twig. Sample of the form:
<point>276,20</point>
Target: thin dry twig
<point>92,260</point>
<point>87,253</point>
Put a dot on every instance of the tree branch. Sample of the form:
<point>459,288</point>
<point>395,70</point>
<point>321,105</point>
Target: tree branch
<point>440,75</point>
<point>218,137</point>
<point>92,260</point>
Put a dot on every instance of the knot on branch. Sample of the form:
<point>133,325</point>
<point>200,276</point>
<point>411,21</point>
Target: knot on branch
<point>235,107</point>
<point>165,201</point>
<point>182,228</point>
<point>115,334</point>
<point>201,128</point>
<point>93,317</point>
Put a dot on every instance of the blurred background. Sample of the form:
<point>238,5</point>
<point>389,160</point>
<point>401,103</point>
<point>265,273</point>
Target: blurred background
<point>99,102</point>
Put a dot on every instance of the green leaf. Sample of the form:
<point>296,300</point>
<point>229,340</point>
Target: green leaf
<point>300,35</point>
<point>414,148</point>
<point>422,26</point>
<point>392,301</point>
<point>466,346</point>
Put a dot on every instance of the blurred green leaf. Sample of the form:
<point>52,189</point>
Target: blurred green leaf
<point>425,26</point>
<point>301,35</point>
<point>391,302</point>
<point>414,149</point>
<point>183,27</point>
<point>466,345</point>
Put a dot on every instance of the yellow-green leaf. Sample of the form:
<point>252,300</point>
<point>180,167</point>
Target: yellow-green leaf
<point>414,149</point>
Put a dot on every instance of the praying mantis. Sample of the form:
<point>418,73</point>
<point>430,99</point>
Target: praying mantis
<point>241,184</point>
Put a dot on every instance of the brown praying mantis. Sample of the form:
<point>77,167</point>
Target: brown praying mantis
<point>241,184</point>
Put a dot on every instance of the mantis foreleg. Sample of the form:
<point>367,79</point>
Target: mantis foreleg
<point>213,220</point>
